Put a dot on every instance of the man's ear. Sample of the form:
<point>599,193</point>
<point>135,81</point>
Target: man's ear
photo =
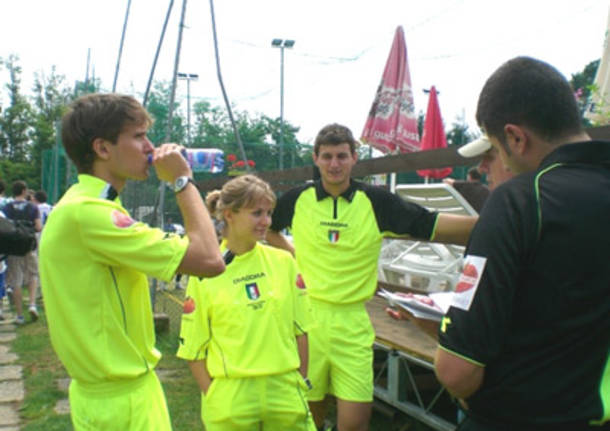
<point>100,148</point>
<point>516,138</point>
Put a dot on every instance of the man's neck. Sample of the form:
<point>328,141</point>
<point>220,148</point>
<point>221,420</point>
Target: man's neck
<point>103,175</point>
<point>335,190</point>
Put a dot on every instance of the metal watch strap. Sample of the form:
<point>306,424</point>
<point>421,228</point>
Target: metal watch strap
<point>188,180</point>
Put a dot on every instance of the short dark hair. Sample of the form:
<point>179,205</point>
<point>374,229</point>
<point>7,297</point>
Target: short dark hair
<point>531,93</point>
<point>40,196</point>
<point>474,174</point>
<point>334,134</point>
<point>18,187</point>
<point>98,116</point>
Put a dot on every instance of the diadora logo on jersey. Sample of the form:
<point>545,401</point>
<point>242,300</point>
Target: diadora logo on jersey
<point>252,291</point>
<point>468,282</point>
<point>333,224</point>
<point>333,236</point>
<point>188,306</point>
<point>248,277</point>
<point>300,282</point>
<point>121,220</point>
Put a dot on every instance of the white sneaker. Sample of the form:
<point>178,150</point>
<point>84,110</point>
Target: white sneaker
<point>33,313</point>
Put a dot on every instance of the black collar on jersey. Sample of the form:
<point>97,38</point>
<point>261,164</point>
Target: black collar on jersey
<point>109,192</point>
<point>589,152</point>
<point>228,256</point>
<point>348,194</point>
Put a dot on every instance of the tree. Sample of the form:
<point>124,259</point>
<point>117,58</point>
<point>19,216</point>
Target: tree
<point>458,135</point>
<point>51,96</point>
<point>582,84</point>
<point>15,122</point>
<point>158,107</point>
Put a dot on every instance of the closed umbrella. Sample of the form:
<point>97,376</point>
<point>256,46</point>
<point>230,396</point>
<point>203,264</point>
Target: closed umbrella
<point>392,124</point>
<point>434,136</point>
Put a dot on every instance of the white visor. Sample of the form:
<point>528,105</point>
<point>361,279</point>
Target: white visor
<point>475,148</point>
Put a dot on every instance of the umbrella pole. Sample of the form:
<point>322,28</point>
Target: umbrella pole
<point>393,182</point>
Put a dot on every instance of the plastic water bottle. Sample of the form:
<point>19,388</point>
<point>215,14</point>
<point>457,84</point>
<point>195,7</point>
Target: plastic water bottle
<point>202,159</point>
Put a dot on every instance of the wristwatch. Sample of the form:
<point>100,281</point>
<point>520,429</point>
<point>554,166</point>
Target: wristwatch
<point>180,183</point>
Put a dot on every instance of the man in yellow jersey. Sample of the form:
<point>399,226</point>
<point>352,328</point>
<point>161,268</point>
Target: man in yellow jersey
<point>94,262</point>
<point>338,225</point>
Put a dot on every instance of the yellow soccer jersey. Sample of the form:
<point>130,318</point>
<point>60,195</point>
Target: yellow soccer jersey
<point>245,320</point>
<point>338,240</point>
<point>94,259</point>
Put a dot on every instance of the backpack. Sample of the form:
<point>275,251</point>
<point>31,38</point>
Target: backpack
<point>15,240</point>
<point>20,213</point>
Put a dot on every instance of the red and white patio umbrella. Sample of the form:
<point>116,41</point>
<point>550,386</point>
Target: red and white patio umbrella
<point>392,123</point>
<point>434,136</point>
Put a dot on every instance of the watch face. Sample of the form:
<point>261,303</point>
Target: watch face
<point>180,183</point>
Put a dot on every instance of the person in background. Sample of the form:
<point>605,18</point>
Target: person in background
<point>244,333</point>
<point>525,344</point>
<point>40,199</point>
<point>23,270</point>
<point>496,172</point>
<point>95,259</point>
<point>475,192</point>
<point>338,225</point>
<point>3,199</point>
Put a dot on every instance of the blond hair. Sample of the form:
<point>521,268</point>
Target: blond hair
<point>241,192</point>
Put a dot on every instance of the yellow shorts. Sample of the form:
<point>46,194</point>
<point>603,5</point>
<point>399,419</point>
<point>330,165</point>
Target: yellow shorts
<point>137,405</point>
<point>272,403</point>
<point>341,352</point>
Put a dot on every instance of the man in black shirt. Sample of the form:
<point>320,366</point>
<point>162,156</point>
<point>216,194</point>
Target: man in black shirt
<point>526,342</point>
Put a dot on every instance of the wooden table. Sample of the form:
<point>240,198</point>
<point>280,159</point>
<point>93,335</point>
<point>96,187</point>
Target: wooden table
<point>400,334</point>
<point>404,375</point>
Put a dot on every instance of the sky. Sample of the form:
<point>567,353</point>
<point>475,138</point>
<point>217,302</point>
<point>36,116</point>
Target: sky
<point>332,72</point>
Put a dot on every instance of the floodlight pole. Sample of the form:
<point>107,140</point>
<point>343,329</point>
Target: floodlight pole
<point>281,43</point>
<point>188,77</point>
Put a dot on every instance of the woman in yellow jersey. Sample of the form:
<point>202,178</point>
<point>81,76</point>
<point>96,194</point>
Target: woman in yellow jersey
<point>244,333</point>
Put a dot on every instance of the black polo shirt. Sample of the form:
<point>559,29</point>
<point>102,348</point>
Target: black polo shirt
<point>534,301</point>
<point>338,240</point>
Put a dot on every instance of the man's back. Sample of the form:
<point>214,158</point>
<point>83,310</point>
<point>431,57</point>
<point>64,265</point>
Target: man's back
<point>546,240</point>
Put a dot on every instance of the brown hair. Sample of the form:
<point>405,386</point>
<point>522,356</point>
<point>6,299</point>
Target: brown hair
<point>98,116</point>
<point>334,134</point>
<point>240,192</point>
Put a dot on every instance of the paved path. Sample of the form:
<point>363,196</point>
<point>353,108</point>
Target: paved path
<point>11,376</point>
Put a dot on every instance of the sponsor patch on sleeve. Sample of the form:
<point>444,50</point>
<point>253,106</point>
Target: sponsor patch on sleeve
<point>468,282</point>
<point>188,306</point>
<point>121,220</point>
<point>300,282</point>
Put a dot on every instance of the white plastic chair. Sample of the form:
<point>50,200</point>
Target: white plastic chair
<point>423,265</point>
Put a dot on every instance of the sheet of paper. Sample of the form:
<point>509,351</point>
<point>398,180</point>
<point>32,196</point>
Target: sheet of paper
<point>431,307</point>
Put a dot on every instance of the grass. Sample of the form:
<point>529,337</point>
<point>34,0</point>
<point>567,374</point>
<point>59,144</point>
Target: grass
<point>42,369</point>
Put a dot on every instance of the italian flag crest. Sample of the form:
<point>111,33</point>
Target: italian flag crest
<point>333,236</point>
<point>252,291</point>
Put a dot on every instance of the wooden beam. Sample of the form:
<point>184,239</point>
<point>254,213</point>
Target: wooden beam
<point>408,162</point>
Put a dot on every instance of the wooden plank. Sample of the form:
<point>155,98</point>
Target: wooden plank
<point>395,163</point>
